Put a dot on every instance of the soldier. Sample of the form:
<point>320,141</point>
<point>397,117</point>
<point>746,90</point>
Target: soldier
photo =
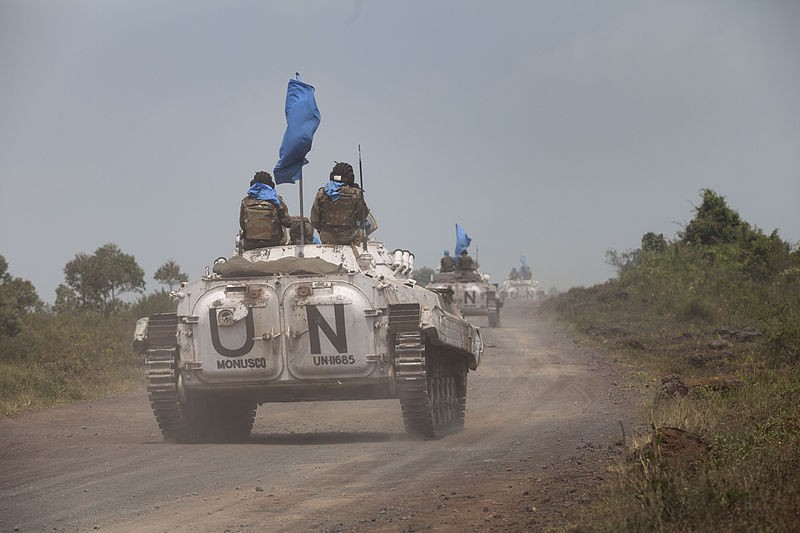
<point>514,275</point>
<point>294,231</point>
<point>465,262</point>
<point>263,214</point>
<point>446,263</point>
<point>339,211</point>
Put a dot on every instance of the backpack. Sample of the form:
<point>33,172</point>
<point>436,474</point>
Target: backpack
<point>446,264</point>
<point>261,220</point>
<point>465,262</point>
<point>294,231</point>
<point>344,212</point>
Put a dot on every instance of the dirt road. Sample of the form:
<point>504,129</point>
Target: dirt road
<point>542,428</point>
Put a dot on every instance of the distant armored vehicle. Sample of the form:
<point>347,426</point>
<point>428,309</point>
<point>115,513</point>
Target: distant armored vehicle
<point>520,284</point>
<point>311,323</point>
<point>473,293</point>
<point>521,289</point>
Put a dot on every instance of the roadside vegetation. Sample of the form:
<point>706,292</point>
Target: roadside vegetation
<point>710,323</point>
<point>80,348</point>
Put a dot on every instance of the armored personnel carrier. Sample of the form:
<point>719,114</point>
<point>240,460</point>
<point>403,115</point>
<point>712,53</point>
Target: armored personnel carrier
<point>473,293</point>
<point>521,289</point>
<point>306,323</point>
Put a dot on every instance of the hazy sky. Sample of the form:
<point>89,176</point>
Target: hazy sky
<point>554,129</point>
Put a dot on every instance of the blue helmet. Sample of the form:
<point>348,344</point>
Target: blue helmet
<point>446,252</point>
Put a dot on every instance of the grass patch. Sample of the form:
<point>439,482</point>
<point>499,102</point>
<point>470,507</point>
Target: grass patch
<point>746,482</point>
<point>59,358</point>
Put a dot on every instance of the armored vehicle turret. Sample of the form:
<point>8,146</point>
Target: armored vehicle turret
<point>306,323</point>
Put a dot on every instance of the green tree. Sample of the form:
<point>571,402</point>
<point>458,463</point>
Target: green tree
<point>152,303</point>
<point>714,223</point>
<point>170,274</point>
<point>721,230</point>
<point>96,281</point>
<point>766,256</point>
<point>66,299</point>
<point>78,290</point>
<point>623,262</point>
<point>17,298</point>
<point>653,243</point>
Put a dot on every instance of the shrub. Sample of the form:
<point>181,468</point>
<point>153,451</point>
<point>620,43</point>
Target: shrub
<point>65,357</point>
<point>695,309</point>
<point>150,304</point>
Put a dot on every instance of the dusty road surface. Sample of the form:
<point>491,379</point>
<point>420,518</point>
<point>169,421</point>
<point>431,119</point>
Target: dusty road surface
<point>543,427</point>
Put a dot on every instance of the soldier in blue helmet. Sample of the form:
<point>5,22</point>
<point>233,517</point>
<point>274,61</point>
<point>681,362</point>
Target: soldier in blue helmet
<point>446,264</point>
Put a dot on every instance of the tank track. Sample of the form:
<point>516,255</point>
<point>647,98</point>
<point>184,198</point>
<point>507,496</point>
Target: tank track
<point>493,312</point>
<point>162,377</point>
<point>198,418</point>
<point>432,387</point>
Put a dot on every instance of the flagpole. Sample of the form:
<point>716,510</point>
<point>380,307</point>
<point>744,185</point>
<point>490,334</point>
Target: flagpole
<point>302,220</point>
<point>361,179</point>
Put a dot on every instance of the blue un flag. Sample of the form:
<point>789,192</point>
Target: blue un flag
<point>462,240</point>
<point>302,120</point>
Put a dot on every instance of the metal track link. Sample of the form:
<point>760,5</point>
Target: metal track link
<point>409,368</point>
<point>412,384</point>
<point>162,377</point>
<point>431,385</point>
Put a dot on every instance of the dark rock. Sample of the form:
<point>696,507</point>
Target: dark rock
<point>740,335</point>
<point>747,335</point>
<point>679,448</point>
<point>673,385</point>
<point>717,344</point>
<point>697,360</point>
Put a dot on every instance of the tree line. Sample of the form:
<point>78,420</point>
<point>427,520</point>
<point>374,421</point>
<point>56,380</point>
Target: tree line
<point>92,282</point>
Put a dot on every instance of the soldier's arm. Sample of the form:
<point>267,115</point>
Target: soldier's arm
<point>283,214</point>
<point>241,216</point>
<point>315,211</point>
<point>364,208</point>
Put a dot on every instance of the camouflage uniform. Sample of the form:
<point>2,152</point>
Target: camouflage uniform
<point>262,222</point>
<point>465,263</point>
<point>446,264</point>
<point>340,222</point>
<point>294,231</point>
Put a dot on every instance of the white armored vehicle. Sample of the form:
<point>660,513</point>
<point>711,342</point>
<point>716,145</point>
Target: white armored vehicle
<point>473,293</point>
<point>306,323</point>
<point>521,289</point>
